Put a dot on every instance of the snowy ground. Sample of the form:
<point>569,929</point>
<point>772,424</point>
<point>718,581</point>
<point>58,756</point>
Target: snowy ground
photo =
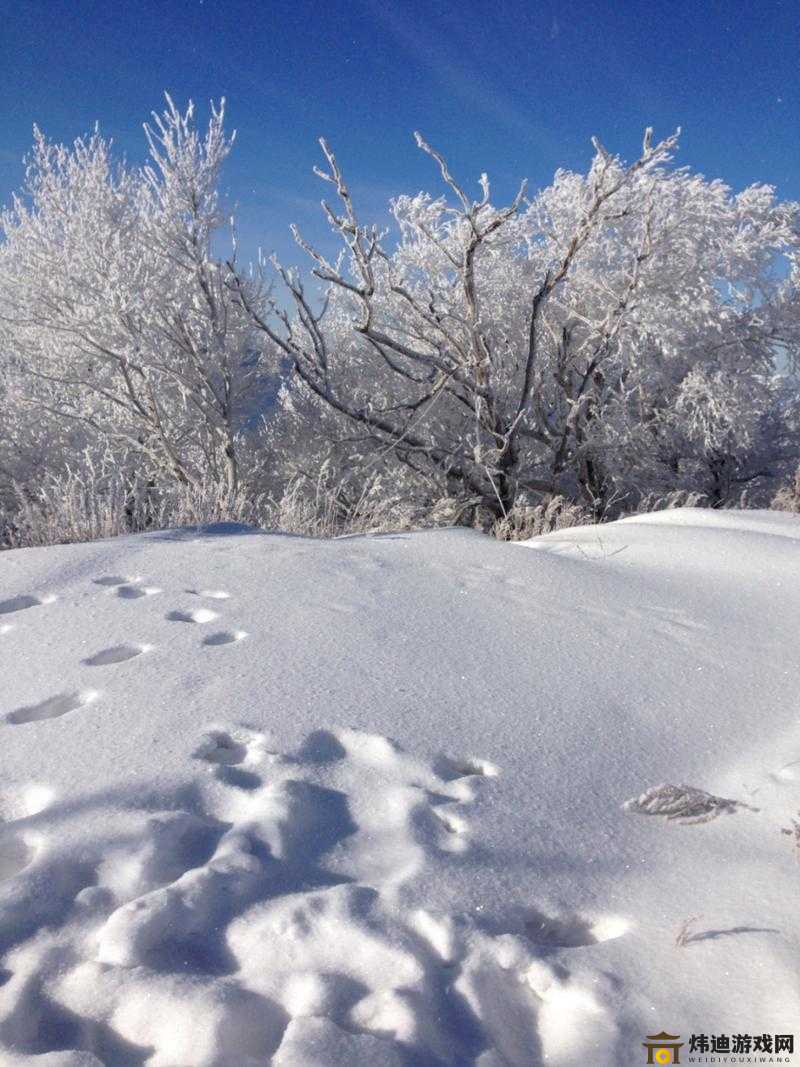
<point>271,800</point>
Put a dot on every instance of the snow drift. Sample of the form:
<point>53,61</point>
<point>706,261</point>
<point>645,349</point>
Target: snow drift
<point>273,800</point>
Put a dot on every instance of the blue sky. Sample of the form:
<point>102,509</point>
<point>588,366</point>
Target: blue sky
<point>515,88</point>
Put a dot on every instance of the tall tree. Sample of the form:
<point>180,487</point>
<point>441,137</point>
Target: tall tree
<point>114,307</point>
<point>555,345</point>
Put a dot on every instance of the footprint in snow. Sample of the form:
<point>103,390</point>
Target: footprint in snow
<point>224,637</point>
<point>572,931</point>
<point>234,745</point>
<point>210,594</point>
<point>135,592</point>
<point>200,615</point>
<point>433,798</point>
<point>306,851</point>
<point>53,707</point>
<point>21,603</point>
<point>218,746</point>
<point>452,768</point>
<point>226,751</point>
<point>116,579</point>
<point>116,654</point>
<point>453,824</point>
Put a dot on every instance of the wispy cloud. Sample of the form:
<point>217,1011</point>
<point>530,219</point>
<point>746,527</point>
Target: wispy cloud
<point>428,46</point>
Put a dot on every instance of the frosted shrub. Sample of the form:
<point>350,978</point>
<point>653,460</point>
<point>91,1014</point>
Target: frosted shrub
<point>207,502</point>
<point>793,831</point>
<point>677,498</point>
<point>64,509</point>
<point>322,509</point>
<point>686,932</point>
<point>526,521</point>
<point>93,503</point>
<point>788,498</point>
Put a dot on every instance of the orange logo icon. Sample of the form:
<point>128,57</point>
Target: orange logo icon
<point>663,1048</point>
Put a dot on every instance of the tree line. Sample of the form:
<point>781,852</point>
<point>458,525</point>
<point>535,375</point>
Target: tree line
<point>629,331</point>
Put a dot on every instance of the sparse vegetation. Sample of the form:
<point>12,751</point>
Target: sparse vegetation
<point>793,831</point>
<point>788,498</point>
<point>686,932</point>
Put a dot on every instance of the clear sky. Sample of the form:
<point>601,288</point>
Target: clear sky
<point>515,88</point>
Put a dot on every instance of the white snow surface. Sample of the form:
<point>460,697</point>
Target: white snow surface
<point>270,800</point>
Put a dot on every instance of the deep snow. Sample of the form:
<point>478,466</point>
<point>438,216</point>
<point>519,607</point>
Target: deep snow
<point>271,800</point>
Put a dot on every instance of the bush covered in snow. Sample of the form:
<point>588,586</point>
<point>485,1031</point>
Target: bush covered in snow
<point>788,497</point>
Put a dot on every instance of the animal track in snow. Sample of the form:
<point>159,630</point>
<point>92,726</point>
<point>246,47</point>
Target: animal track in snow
<point>218,746</point>
<point>274,846</point>
<point>572,931</point>
<point>21,603</point>
<point>200,615</point>
<point>135,592</point>
<point>116,579</point>
<point>210,594</point>
<point>53,707</point>
<point>225,637</point>
<point>229,752</point>
<point>419,812</point>
<point>454,824</point>
<point>116,654</point>
<point>170,843</point>
<point>452,768</point>
<point>269,909</point>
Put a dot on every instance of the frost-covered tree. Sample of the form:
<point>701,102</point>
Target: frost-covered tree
<point>612,335</point>
<point>627,331</point>
<point>115,313</point>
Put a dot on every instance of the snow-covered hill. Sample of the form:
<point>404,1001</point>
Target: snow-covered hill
<point>273,800</point>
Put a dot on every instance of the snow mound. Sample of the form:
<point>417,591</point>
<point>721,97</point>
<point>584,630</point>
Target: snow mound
<point>264,917</point>
<point>390,827</point>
